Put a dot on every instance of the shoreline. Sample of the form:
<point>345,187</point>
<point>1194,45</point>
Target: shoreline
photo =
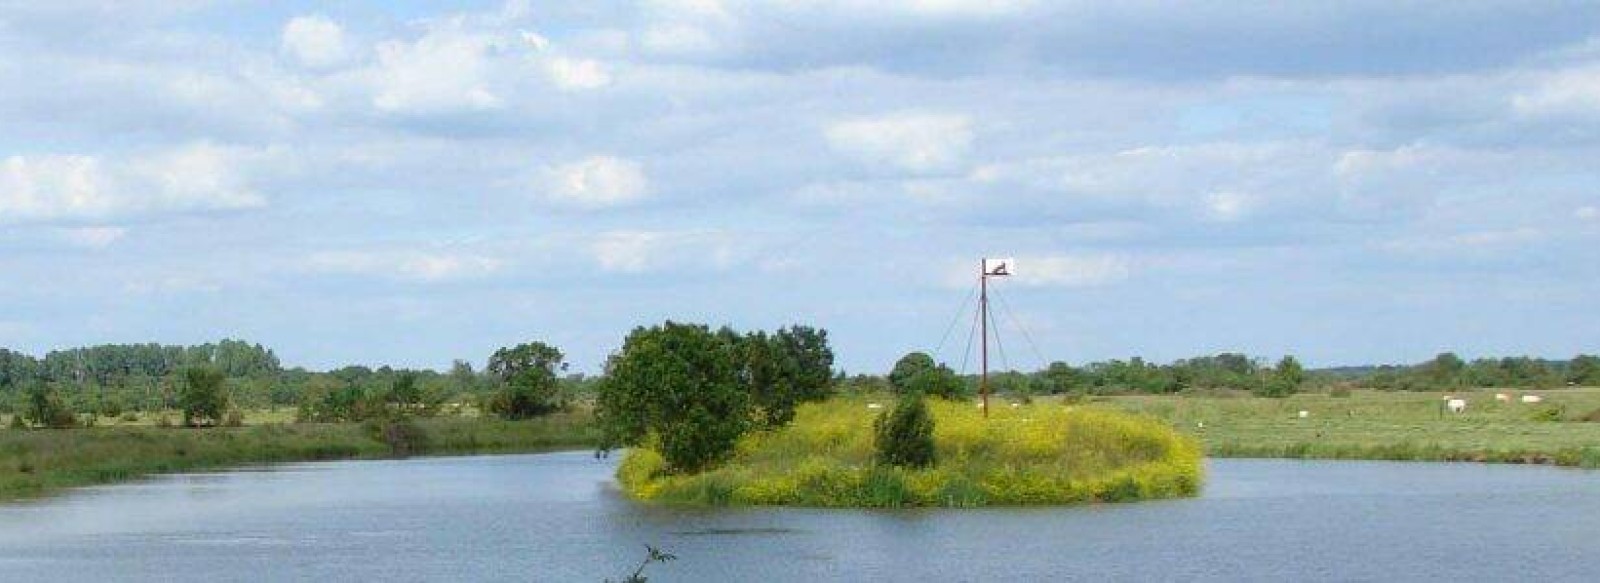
<point>37,464</point>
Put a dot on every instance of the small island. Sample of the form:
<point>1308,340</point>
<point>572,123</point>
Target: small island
<point>721,418</point>
<point>1029,454</point>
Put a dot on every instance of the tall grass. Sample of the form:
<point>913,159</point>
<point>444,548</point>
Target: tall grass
<point>38,462</point>
<point>1046,454</point>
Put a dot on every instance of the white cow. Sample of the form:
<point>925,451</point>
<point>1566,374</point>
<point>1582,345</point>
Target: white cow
<point>1531,399</point>
<point>1305,414</point>
<point>1456,405</point>
<point>874,406</point>
<point>1502,398</point>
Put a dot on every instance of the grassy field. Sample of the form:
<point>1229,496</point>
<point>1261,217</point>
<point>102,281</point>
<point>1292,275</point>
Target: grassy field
<point>1043,454</point>
<point>1388,426</point>
<point>39,462</point>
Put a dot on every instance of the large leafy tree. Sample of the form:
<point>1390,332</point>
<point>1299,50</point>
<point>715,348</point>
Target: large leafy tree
<point>679,386</point>
<point>908,368</point>
<point>789,367</point>
<point>203,397</point>
<point>529,386</point>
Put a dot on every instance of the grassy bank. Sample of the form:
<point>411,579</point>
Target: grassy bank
<point>39,462</point>
<point>1387,425</point>
<point>1027,455</point>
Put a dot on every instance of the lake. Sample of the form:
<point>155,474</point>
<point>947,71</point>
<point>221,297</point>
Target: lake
<point>558,517</point>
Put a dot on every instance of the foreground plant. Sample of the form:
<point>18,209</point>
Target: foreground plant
<point>652,555</point>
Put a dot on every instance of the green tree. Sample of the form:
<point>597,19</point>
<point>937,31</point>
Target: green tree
<point>677,385</point>
<point>528,383</point>
<point>903,436</point>
<point>938,381</point>
<point>463,377</point>
<point>404,393</point>
<point>203,397</point>
<point>1445,371</point>
<point>45,408</point>
<point>792,366</point>
<point>1584,370</point>
<point>909,367</point>
<point>1060,377</point>
<point>1285,380</point>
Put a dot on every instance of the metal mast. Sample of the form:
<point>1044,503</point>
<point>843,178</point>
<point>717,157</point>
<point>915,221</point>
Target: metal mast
<point>983,326</point>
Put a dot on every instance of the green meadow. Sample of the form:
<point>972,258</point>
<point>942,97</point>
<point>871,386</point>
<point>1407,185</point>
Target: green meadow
<point>1387,425</point>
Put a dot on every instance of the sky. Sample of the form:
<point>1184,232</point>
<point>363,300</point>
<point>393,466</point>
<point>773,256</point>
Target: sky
<point>408,183</point>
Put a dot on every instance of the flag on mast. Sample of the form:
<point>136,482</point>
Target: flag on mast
<point>999,267</point>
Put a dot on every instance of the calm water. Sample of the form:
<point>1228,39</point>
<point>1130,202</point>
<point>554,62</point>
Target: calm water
<point>557,517</point>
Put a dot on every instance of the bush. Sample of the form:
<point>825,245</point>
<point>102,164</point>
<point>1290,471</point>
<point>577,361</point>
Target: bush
<point>1550,413</point>
<point>46,409</point>
<point>18,423</point>
<point>904,435</point>
<point>401,434</point>
<point>1340,391</point>
<point>235,418</point>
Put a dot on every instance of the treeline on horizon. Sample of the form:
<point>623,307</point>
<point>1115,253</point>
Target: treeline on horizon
<point>109,379</point>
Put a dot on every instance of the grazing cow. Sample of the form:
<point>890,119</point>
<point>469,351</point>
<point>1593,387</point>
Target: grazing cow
<point>874,406</point>
<point>1531,399</point>
<point>1305,414</point>
<point>1456,405</point>
<point>1502,398</point>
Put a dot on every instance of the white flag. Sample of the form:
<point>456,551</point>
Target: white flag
<point>999,267</point>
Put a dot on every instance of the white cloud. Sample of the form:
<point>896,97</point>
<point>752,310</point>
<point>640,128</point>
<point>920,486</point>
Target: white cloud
<point>1227,206</point>
<point>1587,213</point>
<point>77,187</point>
<point>913,141</point>
<point>570,74</point>
<point>595,182</point>
<point>91,237</point>
<point>315,41</point>
<point>420,266</point>
<point>1072,270</point>
<point>1574,91</point>
<point>678,39</point>
<point>655,251</point>
<point>448,69</point>
<point>1471,241</point>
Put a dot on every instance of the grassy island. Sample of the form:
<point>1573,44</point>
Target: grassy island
<point>1032,454</point>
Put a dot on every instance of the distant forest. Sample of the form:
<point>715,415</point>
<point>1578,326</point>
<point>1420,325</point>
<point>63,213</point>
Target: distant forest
<point>110,379</point>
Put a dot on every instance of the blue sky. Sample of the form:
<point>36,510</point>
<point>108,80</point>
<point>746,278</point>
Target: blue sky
<point>407,183</point>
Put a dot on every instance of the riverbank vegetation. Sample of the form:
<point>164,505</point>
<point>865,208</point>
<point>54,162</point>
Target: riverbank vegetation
<point>38,462</point>
<point>1034,454</point>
